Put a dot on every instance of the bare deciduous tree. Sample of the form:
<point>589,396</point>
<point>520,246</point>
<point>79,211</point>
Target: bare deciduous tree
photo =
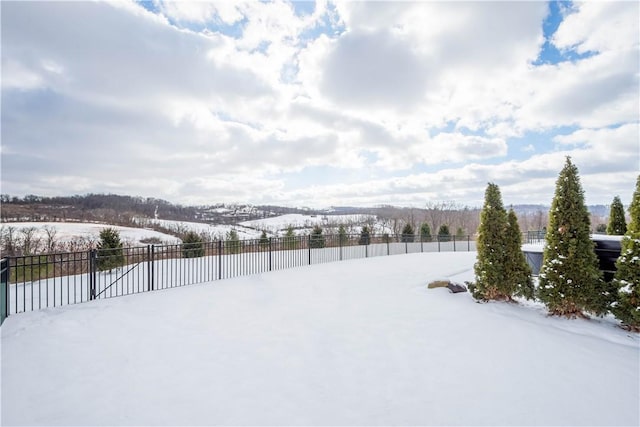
<point>51,241</point>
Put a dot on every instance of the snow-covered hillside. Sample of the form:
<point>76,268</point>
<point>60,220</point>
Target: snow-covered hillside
<point>68,231</point>
<point>361,342</point>
<point>213,231</point>
<point>305,223</point>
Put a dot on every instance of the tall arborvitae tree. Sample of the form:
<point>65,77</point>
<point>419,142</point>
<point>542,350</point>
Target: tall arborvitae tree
<point>627,278</point>
<point>518,271</point>
<point>491,276</point>
<point>570,282</point>
<point>617,225</point>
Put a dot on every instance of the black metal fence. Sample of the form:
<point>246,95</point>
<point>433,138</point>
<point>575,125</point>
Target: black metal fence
<point>534,236</point>
<point>33,282</point>
<point>4,289</point>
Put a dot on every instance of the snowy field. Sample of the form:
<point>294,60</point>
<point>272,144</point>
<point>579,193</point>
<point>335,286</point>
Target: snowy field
<point>68,231</point>
<point>214,231</point>
<point>360,342</point>
<point>278,225</point>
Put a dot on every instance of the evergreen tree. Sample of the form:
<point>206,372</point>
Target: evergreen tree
<point>342,235</point>
<point>365,236</point>
<point>460,233</point>
<point>233,245</point>
<point>192,245</point>
<point>264,240</point>
<point>490,269</point>
<point>425,232</point>
<point>518,270</point>
<point>407,233</point>
<point>627,278</point>
<point>110,254</point>
<point>617,225</point>
<point>444,235</point>
<point>290,240</point>
<point>601,228</point>
<point>570,281</point>
<point>316,240</point>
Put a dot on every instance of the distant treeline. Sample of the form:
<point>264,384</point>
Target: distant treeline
<point>122,210</point>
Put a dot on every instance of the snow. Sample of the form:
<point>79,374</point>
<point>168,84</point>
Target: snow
<point>606,237</point>
<point>533,247</point>
<point>359,342</point>
<point>214,231</point>
<point>280,223</point>
<point>68,231</point>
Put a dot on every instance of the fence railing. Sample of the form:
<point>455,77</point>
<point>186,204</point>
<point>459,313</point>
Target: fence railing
<point>534,236</point>
<point>33,282</point>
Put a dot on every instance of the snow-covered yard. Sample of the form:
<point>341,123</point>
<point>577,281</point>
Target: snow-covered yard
<point>360,342</point>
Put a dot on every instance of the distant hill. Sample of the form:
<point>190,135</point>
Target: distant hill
<point>123,210</point>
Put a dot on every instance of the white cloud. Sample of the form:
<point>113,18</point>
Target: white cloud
<point>599,26</point>
<point>382,89</point>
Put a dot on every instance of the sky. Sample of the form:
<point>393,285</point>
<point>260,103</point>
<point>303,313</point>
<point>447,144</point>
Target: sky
<point>320,104</point>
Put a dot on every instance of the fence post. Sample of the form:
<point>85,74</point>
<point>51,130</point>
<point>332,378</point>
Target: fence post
<point>340,244</point>
<point>454,243</point>
<point>4,283</point>
<point>150,266</point>
<point>438,243</point>
<point>270,265</point>
<point>387,239</point>
<point>468,243</point>
<point>219,259</point>
<point>93,256</point>
<point>309,245</point>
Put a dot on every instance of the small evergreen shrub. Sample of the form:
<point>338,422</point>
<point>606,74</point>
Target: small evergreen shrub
<point>407,234</point>
<point>264,240</point>
<point>110,253</point>
<point>425,232</point>
<point>343,239</point>
<point>444,235</point>
<point>316,239</point>
<point>192,245</point>
<point>232,244</point>
<point>290,240</point>
<point>365,236</point>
